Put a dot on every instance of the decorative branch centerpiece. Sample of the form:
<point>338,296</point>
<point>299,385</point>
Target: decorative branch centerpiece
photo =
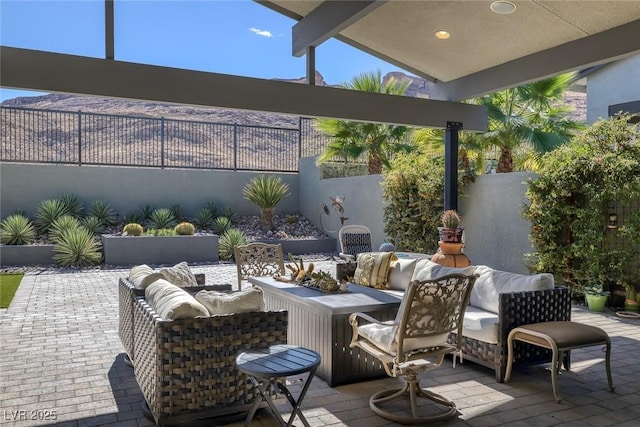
<point>307,277</point>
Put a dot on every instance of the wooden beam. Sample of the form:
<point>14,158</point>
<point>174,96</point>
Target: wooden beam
<point>56,72</point>
<point>327,20</point>
<point>596,49</point>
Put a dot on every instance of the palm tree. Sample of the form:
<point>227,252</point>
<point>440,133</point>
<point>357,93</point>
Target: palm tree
<point>528,117</point>
<point>350,140</point>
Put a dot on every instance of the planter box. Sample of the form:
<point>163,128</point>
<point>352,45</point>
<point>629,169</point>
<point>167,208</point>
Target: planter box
<point>306,246</point>
<point>129,250</point>
<point>26,255</point>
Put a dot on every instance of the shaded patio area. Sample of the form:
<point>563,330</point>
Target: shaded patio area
<point>61,359</point>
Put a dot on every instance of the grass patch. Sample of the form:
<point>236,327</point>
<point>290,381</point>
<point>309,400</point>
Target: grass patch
<point>8,285</point>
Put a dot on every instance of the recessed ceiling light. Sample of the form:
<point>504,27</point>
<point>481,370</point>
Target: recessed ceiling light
<point>502,7</point>
<point>443,35</point>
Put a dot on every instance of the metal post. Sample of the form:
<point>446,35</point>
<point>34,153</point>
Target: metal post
<point>161,142</point>
<point>451,165</point>
<point>109,30</point>
<point>235,146</point>
<point>311,65</point>
<point>299,140</point>
<point>79,138</point>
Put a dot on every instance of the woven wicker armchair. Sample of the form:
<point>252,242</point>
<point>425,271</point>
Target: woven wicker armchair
<point>127,295</point>
<point>516,309</point>
<point>186,368</point>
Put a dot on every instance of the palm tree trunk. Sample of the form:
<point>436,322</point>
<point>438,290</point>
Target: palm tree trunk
<point>375,164</point>
<point>505,163</point>
<point>266,217</point>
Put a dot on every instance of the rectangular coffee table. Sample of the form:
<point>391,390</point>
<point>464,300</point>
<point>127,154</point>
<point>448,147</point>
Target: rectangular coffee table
<point>320,321</point>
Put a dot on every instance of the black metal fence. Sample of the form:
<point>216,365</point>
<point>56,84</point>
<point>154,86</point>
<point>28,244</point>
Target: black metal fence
<point>63,137</point>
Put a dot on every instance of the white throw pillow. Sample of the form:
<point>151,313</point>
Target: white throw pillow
<point>179,275</point>
<point>172,302</point>
<point>492,282</point>
<point>401,273</point>
<point>244,301</point>
<point>428,270</point>
<point>142,276</point>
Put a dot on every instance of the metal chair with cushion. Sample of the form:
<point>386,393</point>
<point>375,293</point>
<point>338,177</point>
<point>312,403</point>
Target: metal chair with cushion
<point>258,259</point>
<point>415,343</point>
<point>354,240</point>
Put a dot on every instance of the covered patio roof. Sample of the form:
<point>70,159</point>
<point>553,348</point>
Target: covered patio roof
<point>485,52</point>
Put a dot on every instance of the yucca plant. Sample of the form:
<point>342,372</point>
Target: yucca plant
<point>162,218</point>
<point>229,240</point>
<point>266,192</point>
<point>103,211</point>
<point>77,247</point>
<point>61,225</point>
<point>93,224</point>
<point>221,224</point>
<point>47,212</point>
<point>204,219</point>
<point>178,212</point>
<point>20,212</point>
<point>17,230</point>
<point>72,204</point>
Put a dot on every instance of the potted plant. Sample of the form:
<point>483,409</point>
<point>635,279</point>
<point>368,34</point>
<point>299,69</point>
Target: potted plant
<point>596,297</point>
<point>450,232</point>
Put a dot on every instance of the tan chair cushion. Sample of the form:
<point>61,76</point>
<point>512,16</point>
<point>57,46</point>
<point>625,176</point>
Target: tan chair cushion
<point>171,302</point>
<point>247,300</point>
<point>142,276</point>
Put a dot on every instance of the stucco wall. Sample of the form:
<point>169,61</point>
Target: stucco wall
<point>615,83</point>
<point>128,189</point>
<point>362,200</point>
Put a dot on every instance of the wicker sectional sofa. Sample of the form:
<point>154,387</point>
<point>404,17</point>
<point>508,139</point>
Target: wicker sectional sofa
<point>500,301</point>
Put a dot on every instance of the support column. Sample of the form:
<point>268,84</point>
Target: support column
<point>109,32</point>
<point>451,165</point>
<point>311,65</point>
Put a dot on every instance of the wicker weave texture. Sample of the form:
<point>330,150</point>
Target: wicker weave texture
<point>186,368</point>
<point>126,298</point>
<point>516,309</point>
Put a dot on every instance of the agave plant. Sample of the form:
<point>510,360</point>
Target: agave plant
<point>77,247</point>
<point>221,224</point>
<point>103,211</point>
<point>204,219</point>
<point>146,212</point>
<point>228,212</point>
<point>132,218</point>
<point>178,212</point>
<point>61,225</point>
<point>228,242</point>
<point>73,205</point>
<point>162,218</point>
<point>266,192</point>
<point>16,230</point>
<point>212,207</point>
<point>47,212</point>
<point>93,224</point>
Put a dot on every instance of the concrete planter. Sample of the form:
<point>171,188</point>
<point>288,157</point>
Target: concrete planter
<point>26,255</point>
<point>129,250</point>
<point>306,246</point>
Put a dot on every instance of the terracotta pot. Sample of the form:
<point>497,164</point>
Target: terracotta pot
<point>450,235</point>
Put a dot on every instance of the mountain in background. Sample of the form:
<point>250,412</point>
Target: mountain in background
<point>418,87</point>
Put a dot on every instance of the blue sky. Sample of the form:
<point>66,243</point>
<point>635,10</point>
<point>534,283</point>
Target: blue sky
<point>236,37</point>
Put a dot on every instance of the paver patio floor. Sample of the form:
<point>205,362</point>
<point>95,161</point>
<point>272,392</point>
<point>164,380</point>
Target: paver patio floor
<point>61,357</point>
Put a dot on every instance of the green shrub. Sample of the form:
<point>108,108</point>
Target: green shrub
<point>72,204</point>
<point>93,224</point>
<point>162,218</point>
<point>204,219</point>
<point>133,229</point>
<point>178,212</point>
<point>160,232</point>
<point>47,212</point>
<point>220,225</point>
<point>185,229</point>
<point>17,230</point>
<point>61,225</point>
<point>77,247</point>
<point>104,212</point>
<point>266,192</point>
<point>229,240</point>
